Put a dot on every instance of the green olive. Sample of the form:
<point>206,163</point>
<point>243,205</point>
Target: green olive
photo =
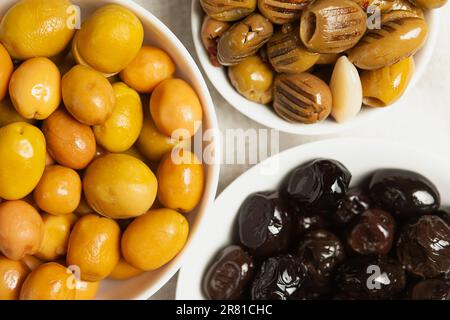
<point>429,4</point>
<point>332,26</point>
<point>282,11</point>
<point>211,32</point>
<point>244,39</point>
<point>228,10</point>
<point>253,79</point>
<point>395,41</point>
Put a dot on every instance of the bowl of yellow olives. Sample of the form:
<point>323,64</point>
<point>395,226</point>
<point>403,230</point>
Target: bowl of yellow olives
<point>314,67</point>
<point>102,190</point>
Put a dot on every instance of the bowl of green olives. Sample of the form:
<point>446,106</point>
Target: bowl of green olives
<point>314,67</point>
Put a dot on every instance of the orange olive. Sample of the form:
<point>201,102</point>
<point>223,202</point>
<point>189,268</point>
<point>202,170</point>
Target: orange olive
<point>150,67</point>
<point>12,275</point>
<point>6,70</point>
<point>86,290</point>
<point>21,229</point>
<point>69,142</point>
<point>180,180</point>
<point>155,238</point>
<point>180,111</point>
<point>50,281</point>
<point>59,190</point>
<point>124,271</point>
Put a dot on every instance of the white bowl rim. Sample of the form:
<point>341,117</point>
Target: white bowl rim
<point>212,170</point>
<point>186,272</point>
<point>319,129</point>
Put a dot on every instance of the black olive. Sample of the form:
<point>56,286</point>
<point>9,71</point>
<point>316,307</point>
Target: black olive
<point>316,187</point>
<point>372,232</point>
<point>434,289</point>
<point>424,247</point>
<point>321,252</point>
<point>228,276</point>
<point>444,214</point>
<point>370,277</point>
<point>403,193</point>
<point>308,222</point>
<point>353,204</point>
<point>264,228</point>
<point>279,278</point>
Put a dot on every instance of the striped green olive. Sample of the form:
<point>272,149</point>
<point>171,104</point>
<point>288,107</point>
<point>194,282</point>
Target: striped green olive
<point>302,97</point>
<point>244,39</point>
<point>228,10</point>
<point>282,11</point>
<point>288,54</point>
<point>332,26</point>
<point>395,41</point>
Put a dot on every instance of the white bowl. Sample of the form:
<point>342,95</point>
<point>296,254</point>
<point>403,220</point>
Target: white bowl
<point>156,33</point>
<point>361,157</point>
<point>265,114</point>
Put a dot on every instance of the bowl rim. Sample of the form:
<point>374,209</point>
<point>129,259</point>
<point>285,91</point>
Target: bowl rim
<point>239,103</point>
<point>304,149</point>
<point>212,169</point>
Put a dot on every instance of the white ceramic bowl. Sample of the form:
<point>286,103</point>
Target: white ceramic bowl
<point>361,157</point>
<point>156,33</point>
<point>266,116</point>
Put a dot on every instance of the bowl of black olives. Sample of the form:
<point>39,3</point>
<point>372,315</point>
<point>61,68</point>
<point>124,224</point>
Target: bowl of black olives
<point>342,219</point>
<point>314,67</point>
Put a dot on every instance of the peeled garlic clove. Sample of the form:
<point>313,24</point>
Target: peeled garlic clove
<point>346,89</point>
<point>382,87</point>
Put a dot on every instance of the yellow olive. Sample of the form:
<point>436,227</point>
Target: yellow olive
<point>122,128</point>
<point>37,28</point>
<point>9,115</point>
<point>150,67</point>
<point>35,88</point>
<point>253,79</point>
<point>119,186</point>
<point>12,276</point>
<point>59,190</point>
<point>56,236</point>
<point>31,262</point>
<point>6,70</point>
<point>172,112</point>
<point>86,290</point>
<point>94,246</point>
<point>152,143</point>
<point>181,180</point>
<point>22,158</point>
<point>21,229</point>
<point>124,271</point>
<point>50,281</point>
<point>155,238</point>
<point>109,39</point>
<point>88,95</point>
<point>382,87</point>
<point>70,143</point>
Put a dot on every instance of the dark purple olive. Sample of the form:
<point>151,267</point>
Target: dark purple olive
<point>321,252</point>
<point>308,222</point>
<point>403,193</point>
<point>353,204</point>
<point>434,289</point>
<point>279,278</point>
<point>324,250</point>
<point>370,278</point>
<point>228,276</point>
<point>372,233</point>
<point>424,247</point>
<point>264,228</point>
<point>317,187</point>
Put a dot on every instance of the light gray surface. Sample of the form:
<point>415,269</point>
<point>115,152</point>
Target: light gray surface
<point>425,122</point>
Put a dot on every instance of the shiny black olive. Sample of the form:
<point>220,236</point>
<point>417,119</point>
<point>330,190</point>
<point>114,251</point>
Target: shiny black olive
<point>228,276</point>
<point>321,252</point>
<point>308,222</point>
<point>279,278</point>
<point>353,204</point>
<point>372,232</point>
<point>370,277</point>
<point>264,228</point>
<point>316,186</point>
<point>403,193</point>
<point>434,289</point>
<point>424,247</point>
